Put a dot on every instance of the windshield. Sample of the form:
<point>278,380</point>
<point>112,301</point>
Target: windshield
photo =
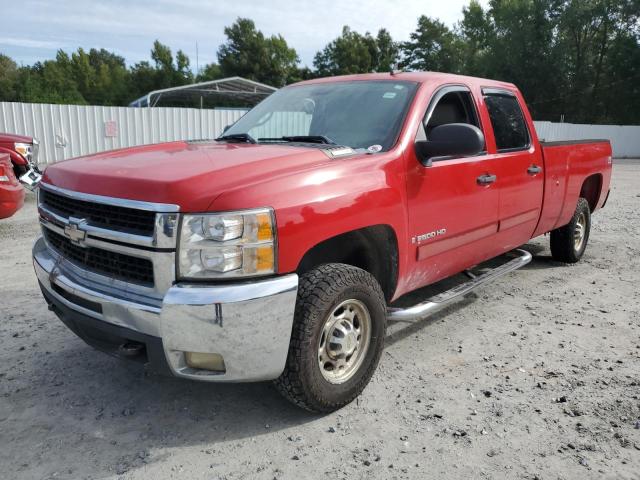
<point>359,114</point>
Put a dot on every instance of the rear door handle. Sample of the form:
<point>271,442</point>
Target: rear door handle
<point>486,179</point>
<point>534,170</point>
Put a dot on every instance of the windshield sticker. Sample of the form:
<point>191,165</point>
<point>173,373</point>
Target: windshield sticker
<point>374,148</point>
<point>389,95</point>
<point>398,87</point>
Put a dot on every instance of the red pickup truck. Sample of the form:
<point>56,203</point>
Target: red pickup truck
<point>279,250</point>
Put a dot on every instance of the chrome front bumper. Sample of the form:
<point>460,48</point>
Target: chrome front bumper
<point>248,324</point>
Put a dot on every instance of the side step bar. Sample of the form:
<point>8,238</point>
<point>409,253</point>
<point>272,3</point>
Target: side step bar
<point>441,300</point>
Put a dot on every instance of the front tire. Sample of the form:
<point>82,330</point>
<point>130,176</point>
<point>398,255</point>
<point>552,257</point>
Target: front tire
<point>568,243</point>
<point>337,338</point>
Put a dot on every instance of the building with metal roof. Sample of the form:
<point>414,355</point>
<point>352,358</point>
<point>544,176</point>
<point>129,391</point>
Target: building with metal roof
<point>227,92</point>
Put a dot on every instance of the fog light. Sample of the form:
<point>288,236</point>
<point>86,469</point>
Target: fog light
<point>205,361</point>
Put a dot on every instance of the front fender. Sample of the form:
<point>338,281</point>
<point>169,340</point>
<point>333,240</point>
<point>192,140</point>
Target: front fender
<point>317,204</point>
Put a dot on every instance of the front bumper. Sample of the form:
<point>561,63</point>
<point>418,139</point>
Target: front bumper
<point>248,324</point>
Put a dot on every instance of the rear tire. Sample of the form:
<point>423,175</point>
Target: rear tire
<point>337,338</point>
<point>568,243</point>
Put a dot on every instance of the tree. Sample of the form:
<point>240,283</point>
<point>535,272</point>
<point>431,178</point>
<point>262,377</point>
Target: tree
<point>51,81</point>
<point>101,76</point>
<point>211,71</point>
<point>350,53</point>
<point>170,73</point>
<point>8,78</point>
<point>248,53</point>
<point>519,46</point>
<point>388,52</point>
<point>353,52</point>
<point>432,47</point>
<point>478,36</point>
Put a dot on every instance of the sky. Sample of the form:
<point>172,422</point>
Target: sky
<point>33,30</point>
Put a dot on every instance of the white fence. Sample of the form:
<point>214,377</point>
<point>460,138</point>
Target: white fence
<point>625,139</point>
<point>67,131</point>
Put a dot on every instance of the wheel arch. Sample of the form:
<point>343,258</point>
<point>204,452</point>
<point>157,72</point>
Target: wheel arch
<point>373,248</point>
<point>591,189</point>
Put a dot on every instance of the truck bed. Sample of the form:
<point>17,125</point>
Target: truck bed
<point>568,164</point>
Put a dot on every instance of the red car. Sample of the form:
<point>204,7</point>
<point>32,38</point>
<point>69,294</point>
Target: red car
<point>279,251</point>
<point>11,192</point>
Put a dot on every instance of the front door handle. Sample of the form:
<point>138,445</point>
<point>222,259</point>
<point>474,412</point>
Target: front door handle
<point>534,170</point>
<point>486,179</point>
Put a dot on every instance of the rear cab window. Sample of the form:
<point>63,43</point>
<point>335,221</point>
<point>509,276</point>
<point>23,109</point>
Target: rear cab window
<point>507,120</point>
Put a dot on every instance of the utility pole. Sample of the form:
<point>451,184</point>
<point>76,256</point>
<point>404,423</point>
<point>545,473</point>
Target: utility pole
<point>197,62</point>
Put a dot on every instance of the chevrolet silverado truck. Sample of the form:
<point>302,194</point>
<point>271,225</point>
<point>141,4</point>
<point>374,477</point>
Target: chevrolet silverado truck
<point>279,250</point>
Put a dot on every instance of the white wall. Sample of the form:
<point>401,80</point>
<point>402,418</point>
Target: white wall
<point>625,139</point>
<point>67,131</point>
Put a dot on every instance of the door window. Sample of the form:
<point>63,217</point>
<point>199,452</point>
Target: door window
<point>507,120</point>
<point>453,107</point>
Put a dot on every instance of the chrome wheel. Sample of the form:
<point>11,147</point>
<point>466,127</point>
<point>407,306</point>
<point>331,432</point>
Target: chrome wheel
<point>580,231</point>
<point>344,341</point>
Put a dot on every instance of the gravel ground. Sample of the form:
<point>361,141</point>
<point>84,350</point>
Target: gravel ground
<point>535,376</point>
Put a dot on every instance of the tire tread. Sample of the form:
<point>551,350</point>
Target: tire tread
<point>315,287</point>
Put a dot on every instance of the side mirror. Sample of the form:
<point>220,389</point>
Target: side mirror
<point>450,140</point>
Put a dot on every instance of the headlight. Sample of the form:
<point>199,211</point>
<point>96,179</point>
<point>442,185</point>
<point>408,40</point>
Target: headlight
<point>24,149</point>
<point>224,245</point>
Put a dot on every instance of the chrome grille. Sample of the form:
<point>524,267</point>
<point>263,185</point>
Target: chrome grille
<point>113,264</point>
<point>129,220</point>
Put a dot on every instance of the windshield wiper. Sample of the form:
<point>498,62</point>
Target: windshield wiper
<point>237,137</point>
<point>300,138</point>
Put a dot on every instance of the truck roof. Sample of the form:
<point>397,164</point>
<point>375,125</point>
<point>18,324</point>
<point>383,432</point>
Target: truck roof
<point>419,77</point>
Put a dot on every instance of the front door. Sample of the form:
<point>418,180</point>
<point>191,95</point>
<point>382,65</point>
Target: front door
<point>453,202</point>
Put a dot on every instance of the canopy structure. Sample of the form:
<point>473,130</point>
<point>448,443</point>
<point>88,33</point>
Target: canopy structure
<point>228,92</point>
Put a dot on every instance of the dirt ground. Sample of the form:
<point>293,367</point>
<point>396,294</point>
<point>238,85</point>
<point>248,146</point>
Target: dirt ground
<point>535,376</point>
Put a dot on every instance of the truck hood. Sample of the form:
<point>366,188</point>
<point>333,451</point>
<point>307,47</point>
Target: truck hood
<point>188,174</point>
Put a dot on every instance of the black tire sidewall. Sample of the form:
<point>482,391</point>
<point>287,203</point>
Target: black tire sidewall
<point>562,239</point>
<point>334,393</point>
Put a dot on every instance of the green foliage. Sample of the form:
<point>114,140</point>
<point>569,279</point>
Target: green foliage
<point>573,59</point>
<point>432,47</point>
<point>210,72</point>
<point>8,78</point>
<point>352,53</point>
<point>248,53</point>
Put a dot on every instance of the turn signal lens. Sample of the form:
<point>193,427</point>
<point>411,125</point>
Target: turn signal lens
<point>265,232</point>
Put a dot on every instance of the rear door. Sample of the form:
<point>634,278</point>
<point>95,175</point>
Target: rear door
<point>519,168</point>
<point>453,209</point>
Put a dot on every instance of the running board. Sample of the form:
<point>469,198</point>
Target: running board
<point>443,299</point>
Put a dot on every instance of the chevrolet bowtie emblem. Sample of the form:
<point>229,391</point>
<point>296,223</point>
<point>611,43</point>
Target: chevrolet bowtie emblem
<point>74,233</point>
